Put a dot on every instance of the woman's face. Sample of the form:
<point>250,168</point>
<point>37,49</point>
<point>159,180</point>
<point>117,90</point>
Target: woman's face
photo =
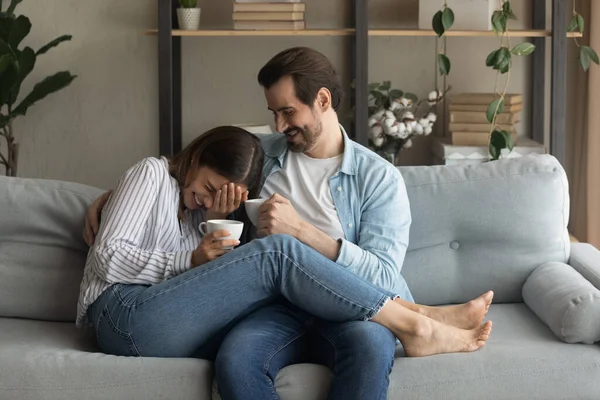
<point>203,187</point>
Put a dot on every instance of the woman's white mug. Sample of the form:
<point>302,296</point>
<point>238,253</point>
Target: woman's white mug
<point>235,228</point>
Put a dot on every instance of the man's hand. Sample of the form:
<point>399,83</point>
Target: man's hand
<point>278,216</point>
<point>227,200</point>
<point>211,247</point>
<point>92,218</point>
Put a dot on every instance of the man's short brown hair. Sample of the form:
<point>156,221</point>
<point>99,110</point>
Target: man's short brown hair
<point>309,70</point>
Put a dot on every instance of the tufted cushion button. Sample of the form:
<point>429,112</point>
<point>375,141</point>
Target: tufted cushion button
<point>454,245</point>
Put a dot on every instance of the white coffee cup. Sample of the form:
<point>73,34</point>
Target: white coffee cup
<point>252,207</point>
<point>235,228</point>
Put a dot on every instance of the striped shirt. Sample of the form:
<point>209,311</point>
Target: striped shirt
<point>140,240</point>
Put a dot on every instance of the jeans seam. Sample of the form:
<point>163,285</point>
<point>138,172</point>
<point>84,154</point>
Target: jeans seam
<point>117,294</point>
<point>270,357</point>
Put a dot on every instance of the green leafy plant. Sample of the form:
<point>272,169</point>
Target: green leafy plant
<point>15,65</point>
<point>587,55</point>
<point>441,22</point>
<point>188,3</point>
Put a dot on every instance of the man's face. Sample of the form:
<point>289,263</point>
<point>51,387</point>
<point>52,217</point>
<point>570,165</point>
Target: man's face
<point>299,122</point>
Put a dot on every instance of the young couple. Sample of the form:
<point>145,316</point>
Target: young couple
<point>322,280</point>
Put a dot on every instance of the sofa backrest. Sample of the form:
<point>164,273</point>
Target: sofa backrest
<point>42,252</point>
<point>483,227</point>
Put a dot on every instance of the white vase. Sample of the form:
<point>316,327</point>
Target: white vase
<point>189,18</point>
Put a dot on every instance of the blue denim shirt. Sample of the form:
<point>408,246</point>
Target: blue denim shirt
<point>371,200</point>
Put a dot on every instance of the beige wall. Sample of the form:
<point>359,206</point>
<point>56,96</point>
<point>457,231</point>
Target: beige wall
<point>107,119</point>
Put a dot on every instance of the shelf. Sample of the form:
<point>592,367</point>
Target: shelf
<point>349,31</point>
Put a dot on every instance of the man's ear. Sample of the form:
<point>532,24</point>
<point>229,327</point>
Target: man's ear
<point>324,99</point>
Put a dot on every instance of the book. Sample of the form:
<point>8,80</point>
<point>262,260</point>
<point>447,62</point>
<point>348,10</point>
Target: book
<point>268,25</point>
<point>481,118</point>
<point>268,16</point>
<point>269,7</point>
<point>474,138</point>
<point>469,127</point>
<point>485,98</point>
<point>483,107</point>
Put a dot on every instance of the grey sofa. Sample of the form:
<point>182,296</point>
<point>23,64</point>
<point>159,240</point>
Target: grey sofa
<point>500,225</point>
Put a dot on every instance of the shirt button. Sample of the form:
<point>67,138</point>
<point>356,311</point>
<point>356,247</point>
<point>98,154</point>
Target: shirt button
<point>350,225</point>
<point>339,189</point>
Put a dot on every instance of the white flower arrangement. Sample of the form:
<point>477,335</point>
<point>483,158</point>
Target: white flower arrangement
<point>396,117</point>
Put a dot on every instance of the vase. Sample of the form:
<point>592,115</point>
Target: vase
<point>189,18</point>
<point>388,155</point>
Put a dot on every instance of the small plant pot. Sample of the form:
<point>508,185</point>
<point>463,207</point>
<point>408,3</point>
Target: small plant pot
<point>189,18</point>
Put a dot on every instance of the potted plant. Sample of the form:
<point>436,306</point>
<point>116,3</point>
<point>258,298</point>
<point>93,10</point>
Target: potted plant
<point>188,15</point>
<point>395,118</point>
<point>15,65</point>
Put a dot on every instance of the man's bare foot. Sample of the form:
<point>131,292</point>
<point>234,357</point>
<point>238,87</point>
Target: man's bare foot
<point>432,337</point>
<point>465,316</point>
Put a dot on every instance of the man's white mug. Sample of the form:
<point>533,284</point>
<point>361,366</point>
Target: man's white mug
<point>235,228</point>
<point>252,207</point>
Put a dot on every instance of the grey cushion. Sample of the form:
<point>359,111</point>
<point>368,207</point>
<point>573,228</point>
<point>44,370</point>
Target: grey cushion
<point>484,227</point>
<point>55,361</point>
<point>565,301</point>
<point>42,252</point>
<point>585,259</point>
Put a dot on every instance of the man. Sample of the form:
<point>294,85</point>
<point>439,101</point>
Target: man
<point>348,204</point>
<point>345,202</point>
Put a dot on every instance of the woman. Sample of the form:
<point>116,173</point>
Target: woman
<point>154,287</point>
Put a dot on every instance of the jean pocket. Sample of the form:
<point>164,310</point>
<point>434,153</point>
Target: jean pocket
<point>113,340</point>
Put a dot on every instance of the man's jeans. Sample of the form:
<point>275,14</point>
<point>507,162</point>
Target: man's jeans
<point>360,354</point>
<point>188,315</point>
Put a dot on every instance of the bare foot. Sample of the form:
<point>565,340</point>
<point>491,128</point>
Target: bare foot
<point>432,337</point>
<point>465,316</point>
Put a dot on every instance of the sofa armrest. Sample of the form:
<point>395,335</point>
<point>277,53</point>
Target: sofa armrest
<point>585,259</point>
<point>565,301</point>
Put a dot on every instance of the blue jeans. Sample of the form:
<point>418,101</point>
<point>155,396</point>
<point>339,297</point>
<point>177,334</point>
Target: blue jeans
<point>188,315</point>
<point>360,354</point>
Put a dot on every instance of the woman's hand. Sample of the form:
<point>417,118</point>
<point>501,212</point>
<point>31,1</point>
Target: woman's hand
<point>92,218</point>
<point>211,247</point>
<point>227,200</point>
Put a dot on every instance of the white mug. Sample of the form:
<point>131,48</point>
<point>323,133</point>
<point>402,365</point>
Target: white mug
<point>235,228</point>
<point>252,207</point>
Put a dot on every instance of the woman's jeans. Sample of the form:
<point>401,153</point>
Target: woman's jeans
<point>188,315</point>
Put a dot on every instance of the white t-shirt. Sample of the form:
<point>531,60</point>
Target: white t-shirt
<point>305,182</point>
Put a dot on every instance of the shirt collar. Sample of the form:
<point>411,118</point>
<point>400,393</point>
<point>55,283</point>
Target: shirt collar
<point>275,146</point>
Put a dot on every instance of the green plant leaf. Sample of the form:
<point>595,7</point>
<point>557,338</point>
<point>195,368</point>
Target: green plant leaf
<point>508,140</point>
<point>573,27</point>
<point>447,18</point>
<point>385,86</point>
<point>495,107</point>
<point>503,60</point>
<point>187,3</point>
<point>13,5</point>
<point>490,61</point>
<point>580,23</point>
<point>373,86</point>
<point>27,61</point>
<point>507,10</point>
<point>411,96</point>
<point>437,24</point>
<point>395,94</point>
<point>5,61</point>
<point>20,29</point>
<point>443,64</point>
<point>584,58</point>
<point>53,43</point>
<point>591,53</point>
<point>47,86</point>
<point>499,20</point>
<point>523,49</point>
<point>6,23</point>
<point>497,143</point>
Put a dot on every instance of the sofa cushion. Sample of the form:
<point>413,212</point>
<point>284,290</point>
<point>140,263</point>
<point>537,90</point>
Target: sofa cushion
<point>565,301</point>
<point>53,360</point>
<point>42,252</point>
<point>486,226</point>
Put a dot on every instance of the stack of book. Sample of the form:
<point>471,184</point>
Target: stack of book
<point>468,122</point>
<point>265,15</point>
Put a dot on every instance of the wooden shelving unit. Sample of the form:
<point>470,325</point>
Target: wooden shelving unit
<point>350,31</point>
<point>169,53</point>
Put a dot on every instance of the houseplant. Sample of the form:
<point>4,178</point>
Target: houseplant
<point>15,65</point>
<point>188,15</point>
<point>501,61</point>
<point>396,117</point>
